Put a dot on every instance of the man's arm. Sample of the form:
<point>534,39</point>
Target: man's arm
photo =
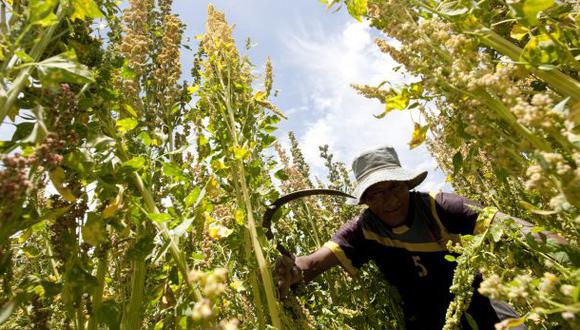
<point>526,228</point>
<point>304,268</point>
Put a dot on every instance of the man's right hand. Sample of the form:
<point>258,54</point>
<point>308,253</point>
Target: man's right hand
<point>287,274</point>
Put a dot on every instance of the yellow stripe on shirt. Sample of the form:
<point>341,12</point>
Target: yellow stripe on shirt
<point>415,247</point>
<point>344,260</point>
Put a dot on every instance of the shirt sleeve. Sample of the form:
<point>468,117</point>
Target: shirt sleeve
<point>458,214</point>
<point>348,245</point>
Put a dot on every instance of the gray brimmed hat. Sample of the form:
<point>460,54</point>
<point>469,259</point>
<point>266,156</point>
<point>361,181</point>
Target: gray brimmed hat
<point>380,165</point>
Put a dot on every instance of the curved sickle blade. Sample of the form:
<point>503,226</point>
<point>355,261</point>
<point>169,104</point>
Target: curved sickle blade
<point>267,219</point>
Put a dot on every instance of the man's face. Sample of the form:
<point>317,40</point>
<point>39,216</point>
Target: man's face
<point>389,201</point>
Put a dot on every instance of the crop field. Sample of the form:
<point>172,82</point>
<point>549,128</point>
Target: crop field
<point>133,199</point>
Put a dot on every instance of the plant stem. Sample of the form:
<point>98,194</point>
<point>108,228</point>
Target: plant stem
<point>132,316</point>
<point>162,227</point>
<point>98,295</point>
<point>51,258</point>
<point>503,112</point>
<point>262,262</point>
<point>560,82</point>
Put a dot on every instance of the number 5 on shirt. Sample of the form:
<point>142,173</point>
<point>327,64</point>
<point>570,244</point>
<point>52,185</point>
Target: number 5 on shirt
<point>422,270</point>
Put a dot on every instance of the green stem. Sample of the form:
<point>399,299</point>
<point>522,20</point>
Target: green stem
<point>560,82</point>
<point>262,262</point>
<point>257,295</point>
<point>132,318</point>
<point>313,225</point>
<point>564,143</point>
<point>80,317</point>
<point>150,206</point>
<point>248,252</point>
<point>98,295</point>
<point>53,265</point>
<point>503,112</point>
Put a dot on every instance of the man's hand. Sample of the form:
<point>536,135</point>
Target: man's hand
<point>287,274</point>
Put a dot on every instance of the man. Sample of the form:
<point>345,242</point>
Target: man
<point>405,233</point>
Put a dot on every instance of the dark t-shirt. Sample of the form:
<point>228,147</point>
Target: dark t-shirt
<point>411,256</point>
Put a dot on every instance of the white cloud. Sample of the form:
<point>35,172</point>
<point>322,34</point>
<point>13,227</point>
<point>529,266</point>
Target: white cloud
<point>336,115</point>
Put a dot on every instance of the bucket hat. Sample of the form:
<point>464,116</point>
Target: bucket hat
<point>380,165</point>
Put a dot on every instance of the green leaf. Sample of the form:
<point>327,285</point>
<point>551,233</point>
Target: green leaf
<point>357,8</point>
<point>452,8</point>
<point>159,217</point>
<point>25,58</point>
<point>84,9</point>
<point>57,177</point>
<point>457,162</point>
<point>281,175</point>
<point>127,72</point>
<point>527,11</point>
<point>41,12</point>
<point>194,197</point>
<point>182,227</point>
<point>172,170</point>
<point>94,231</point>
<point>496,233</point>
<point>450,258</point>
<point>23,130</point>
<point>135,163</point>
<point>126,124</point>
<point>64,68</point>
<point>471,321</point>
<point>145,138</point>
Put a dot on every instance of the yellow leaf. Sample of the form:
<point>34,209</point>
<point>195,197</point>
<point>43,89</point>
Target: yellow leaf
<point>237,285</point>
<point>239,217</point>
<point>130,110</point>
<point>212,187</point>
<point>83,9</point>
<point>217,231</point>
<point>217,164</point>
<point>115,205</point>
<point>192,89</point>
<point>519,32</point>
<point>419,134</point>
<point>510,323</point>
<point>57,177</point>
<point>260,96</point>
<point>240,152</point>
<point>126,124</point>
<point>94,231</point>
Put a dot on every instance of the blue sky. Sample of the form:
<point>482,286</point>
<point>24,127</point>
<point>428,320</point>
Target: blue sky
<point>316,54</point>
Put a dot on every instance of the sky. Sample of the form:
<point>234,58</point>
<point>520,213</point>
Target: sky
<point>316,53</point>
